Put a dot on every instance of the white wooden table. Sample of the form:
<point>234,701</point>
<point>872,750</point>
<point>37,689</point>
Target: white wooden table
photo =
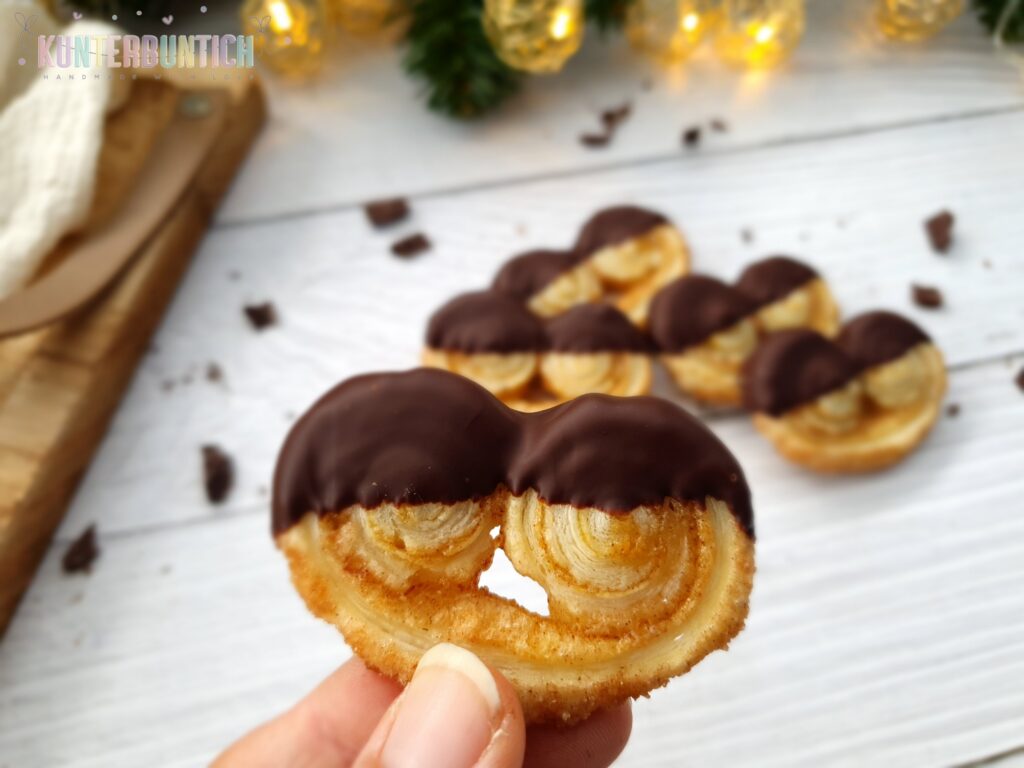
<point>887,624</point>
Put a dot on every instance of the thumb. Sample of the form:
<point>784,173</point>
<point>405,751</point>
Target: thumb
<point>456,712</point>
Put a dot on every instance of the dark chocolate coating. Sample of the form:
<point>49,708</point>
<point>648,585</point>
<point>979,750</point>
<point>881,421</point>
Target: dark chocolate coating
<point>687,311</point>
<point>485,321</point>
<point>431,436</point>
<point>768,280</point>
<point>529,273</point>
<point>879,337</point>
<point>793,367</point>
<point>613,226</point>
<point>595,328</point>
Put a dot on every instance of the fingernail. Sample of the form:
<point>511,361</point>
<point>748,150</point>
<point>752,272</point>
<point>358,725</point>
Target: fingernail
<point>447,714</point>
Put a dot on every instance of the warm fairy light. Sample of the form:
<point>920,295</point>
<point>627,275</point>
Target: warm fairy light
<point>912,20</point>
<point>561,24</point>
<point>670,30</point>
<point>280,15</point>
<point>760,33</point>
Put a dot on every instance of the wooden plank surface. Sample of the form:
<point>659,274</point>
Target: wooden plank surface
<point>61,385</point>
<point>886,626</point>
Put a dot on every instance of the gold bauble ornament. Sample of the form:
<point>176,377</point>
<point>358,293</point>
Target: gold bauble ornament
<point>911,20</point>
<point>670,30</point>
<point>289,34</point>
<point>535,36</point>
<point>372,19</point>
<point>759,33</point>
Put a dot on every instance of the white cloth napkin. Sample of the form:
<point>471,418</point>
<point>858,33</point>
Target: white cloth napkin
<point>51,133</point>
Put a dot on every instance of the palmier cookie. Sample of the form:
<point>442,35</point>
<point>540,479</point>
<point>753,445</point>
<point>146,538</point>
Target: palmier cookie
<point>706,329</point>
<point>624,254</point>
<point>531,364</point>
<point>859,403</point>
<point>631,515</point>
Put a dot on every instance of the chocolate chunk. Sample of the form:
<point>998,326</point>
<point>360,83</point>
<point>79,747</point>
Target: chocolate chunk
<point>926,296</point>
<point>691,137</point>
<point>485,321</point>
<point>261,316</point>
<point>791,368</point>
<point>616,225</point>
<point>218,473</point>
<point>411,246</point>
<point>527,274</point>
<point>773,278</point>
<point>953,410</point>
<point>873,338</point>
<point>719,125</point>
<point>939,229</point>
<point>432,436</point>
<point>214,373</point>
<point>81,553</point>
<point>595,140</point>
<point>383,213</point>
<point>612,118</point>
<point>1020,380</point>
<point>688,311</point>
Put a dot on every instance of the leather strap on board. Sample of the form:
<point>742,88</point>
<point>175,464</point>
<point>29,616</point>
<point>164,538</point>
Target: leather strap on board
<point>104,254</point>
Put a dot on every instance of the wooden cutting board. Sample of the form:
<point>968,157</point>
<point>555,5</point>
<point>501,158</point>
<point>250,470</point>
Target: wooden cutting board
<point>59,386</point>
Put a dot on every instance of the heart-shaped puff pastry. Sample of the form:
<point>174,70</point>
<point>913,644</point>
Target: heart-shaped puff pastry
<point>393,491</point>
<point>623,254</point>
<point>859,403</point>
<point>531,363</point>
<point>706,329</point>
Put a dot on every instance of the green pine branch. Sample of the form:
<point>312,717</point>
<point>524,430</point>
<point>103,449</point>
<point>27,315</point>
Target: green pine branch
<point>991,11</point>
<point>448,51</point>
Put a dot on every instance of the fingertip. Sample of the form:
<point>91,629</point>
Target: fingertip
<point>594,743</point>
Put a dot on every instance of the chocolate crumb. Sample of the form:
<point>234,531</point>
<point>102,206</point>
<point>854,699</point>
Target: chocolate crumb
<point>926,296</point>
<point>165,569</point>
<point>612,118</point>
<point>411,246</point>
<point>167,385</point>
<point>214,373</point>
<point>595,140</point>
<point>719,125</point>
<point>939,229</point>
<point>218,473</point>
<point>383,213</point>
<point>261,316</point>
<point>691,137</point>
<point>81,553</point>
<point>234,275</point>
<point>986,264</point>
<point>1020,379</point>
<point>747,235</point>
<point>953,410</point>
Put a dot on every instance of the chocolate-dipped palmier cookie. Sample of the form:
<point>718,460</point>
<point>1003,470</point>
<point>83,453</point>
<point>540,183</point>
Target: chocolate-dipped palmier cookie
<point>631,515</point>
<point>706,329</point>
<point>859,403</point>
<point>530,363</point>
<point>623,254</point>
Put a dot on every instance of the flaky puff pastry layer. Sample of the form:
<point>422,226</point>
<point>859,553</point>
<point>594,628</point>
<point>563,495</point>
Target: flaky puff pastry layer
<point>636,269</point>
<point>710,371</point>
<point>515,377</point>
<point>635,598</point>
<point>809,306</point>
<point>506,375</point>
<point>870,423</point>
